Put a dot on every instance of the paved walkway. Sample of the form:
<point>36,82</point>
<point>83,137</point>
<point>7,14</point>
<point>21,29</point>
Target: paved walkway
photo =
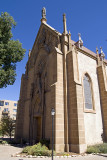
<point>7,151</point>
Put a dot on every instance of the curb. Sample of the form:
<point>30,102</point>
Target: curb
<point>30,156</point>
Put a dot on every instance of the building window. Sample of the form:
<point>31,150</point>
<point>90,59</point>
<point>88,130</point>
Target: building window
<point>15,104</point>
<point>1,103</point>
<point>87,92</point>
<point>6,109</point>
<point>14,110</point>
<point>6,103</point>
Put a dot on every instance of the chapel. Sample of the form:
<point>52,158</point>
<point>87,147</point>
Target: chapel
<point>63,75</point>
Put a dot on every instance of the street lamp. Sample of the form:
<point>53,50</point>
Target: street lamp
<point>52,113</point>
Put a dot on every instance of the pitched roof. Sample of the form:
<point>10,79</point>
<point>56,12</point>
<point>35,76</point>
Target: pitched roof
<point>88,51</point>
<point>91,53</point>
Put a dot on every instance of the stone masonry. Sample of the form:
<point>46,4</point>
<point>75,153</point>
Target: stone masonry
<point>54,78</point>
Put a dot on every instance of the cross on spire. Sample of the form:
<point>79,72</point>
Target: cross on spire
<point>43,20</point>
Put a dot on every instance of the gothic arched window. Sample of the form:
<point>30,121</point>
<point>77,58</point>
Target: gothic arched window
<point>87,92</point>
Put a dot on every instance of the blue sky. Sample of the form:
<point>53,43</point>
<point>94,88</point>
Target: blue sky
<point>88,17</point>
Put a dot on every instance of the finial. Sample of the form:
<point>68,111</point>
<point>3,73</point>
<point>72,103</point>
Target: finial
<point>64,24</point>
<point>80,42</point>
<point>97,50</point>
<point>102,55</point>
<point>43,12</point>
<point>43,15</point>
<point>64,17</point>
<point>101,50</point>
<point>79,34</point>
<point>69,32</point>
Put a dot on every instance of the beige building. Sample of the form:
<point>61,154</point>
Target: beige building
<point>8,107</point>
<point>64,75</point>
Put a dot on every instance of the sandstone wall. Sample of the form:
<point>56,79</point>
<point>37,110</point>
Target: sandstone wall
<point>92,120</point>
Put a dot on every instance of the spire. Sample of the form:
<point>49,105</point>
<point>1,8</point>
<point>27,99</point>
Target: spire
<point>64,24</point>
<point>43,20</point>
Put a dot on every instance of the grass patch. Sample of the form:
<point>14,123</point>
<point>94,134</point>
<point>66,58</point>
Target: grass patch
<point>37,150</point>
<point>99,148</point>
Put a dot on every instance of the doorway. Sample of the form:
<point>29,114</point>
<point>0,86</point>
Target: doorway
<point>38,129</point>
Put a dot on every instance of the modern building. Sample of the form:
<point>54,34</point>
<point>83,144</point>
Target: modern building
<point>8,107</point>
<point>64,75</point>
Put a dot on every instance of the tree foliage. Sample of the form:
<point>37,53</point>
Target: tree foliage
<point>11,51</point>
<point>7,126</point>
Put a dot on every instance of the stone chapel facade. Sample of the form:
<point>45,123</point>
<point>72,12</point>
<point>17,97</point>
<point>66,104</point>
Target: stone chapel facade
<point>64,75</point>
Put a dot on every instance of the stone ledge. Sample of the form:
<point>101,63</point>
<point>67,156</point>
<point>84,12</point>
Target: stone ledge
<point>30,156</point>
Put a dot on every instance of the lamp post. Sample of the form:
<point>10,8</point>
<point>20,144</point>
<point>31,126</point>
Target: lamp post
<point>52,113</point>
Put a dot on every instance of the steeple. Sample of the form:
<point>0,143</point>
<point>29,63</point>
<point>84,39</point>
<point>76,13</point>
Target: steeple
<point>43,20</point>
<point>64,24</point>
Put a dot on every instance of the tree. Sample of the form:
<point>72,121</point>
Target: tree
<point>11,51</point>
<point>7,126</point>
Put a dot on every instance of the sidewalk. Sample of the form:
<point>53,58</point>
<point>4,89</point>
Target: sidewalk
<point>7,151</point>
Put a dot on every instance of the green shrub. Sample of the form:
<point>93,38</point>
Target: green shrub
<point>65,154</point>
<point>26,149</point>
<point>100,148</point>
<point>92,149</point>
<point>4,142</point>
<point>103,148</point>
<point>38,150</point>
